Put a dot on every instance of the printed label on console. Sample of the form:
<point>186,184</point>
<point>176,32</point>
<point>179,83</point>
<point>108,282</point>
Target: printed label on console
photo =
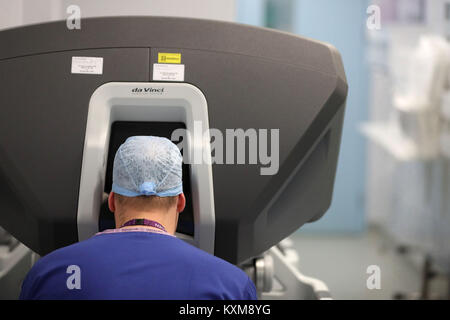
<point>168,72</point>
<point>87,65</point>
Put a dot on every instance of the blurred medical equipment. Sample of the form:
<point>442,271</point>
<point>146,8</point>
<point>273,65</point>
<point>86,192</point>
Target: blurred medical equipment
<point>15,261</point>
<point>408,163</point>
<point>413,129</point>
<point>70,98</point>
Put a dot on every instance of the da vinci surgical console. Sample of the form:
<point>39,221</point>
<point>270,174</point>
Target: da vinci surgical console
<point>69,98</point>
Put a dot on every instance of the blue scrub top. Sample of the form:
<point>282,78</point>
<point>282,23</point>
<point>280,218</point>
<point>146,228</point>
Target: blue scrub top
<point>135,264</point>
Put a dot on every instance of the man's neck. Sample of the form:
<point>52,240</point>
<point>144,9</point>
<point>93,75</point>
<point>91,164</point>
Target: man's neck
<point>166,219</point>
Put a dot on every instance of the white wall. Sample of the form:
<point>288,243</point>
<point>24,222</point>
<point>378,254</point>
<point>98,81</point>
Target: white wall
<point>19,12</point>
<point>10,13</point>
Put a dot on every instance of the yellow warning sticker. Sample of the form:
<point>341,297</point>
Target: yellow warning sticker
<point>169,57</point>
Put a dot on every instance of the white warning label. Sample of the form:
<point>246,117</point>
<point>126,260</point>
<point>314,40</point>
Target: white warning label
<point>168,72</point>
<point>87,65</point>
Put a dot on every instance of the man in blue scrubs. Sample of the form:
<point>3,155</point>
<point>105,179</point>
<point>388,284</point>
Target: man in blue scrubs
<point>141,258</point>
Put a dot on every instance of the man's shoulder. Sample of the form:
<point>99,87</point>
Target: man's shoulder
<point>67,250</point>
<point>213,274</point>
<point>203,256</point>
<point>75,253</point>
<point>204,261</point>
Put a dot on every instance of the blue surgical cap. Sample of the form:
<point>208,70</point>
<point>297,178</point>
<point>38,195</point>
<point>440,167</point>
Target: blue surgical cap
<point>146,166</point>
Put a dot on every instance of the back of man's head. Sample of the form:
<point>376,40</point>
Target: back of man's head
<point>147,174</point>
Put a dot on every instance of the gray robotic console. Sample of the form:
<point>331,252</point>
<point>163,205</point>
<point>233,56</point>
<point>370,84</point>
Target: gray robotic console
<point>70,97</point>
